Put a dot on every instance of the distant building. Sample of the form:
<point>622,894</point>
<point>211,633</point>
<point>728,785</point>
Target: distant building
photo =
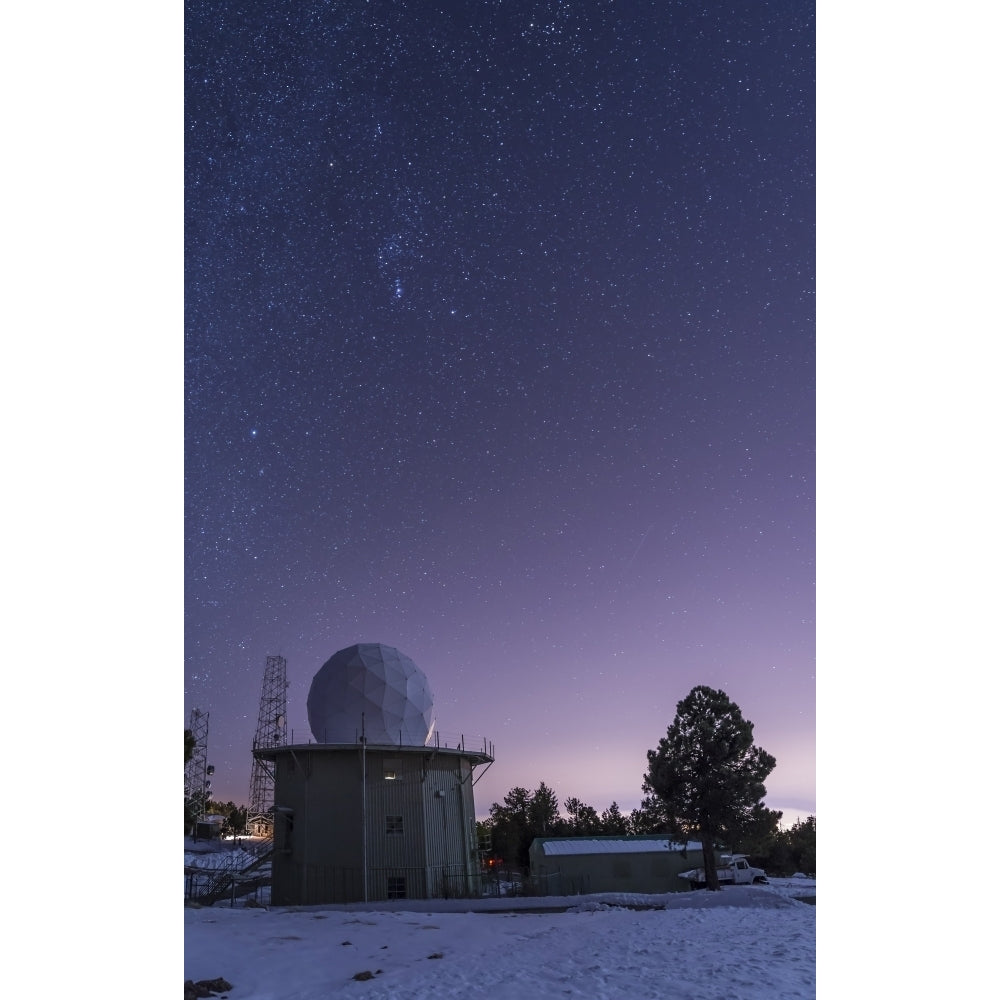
<point>379,808</point>
<point>565,866</point>
<point>209,827</point>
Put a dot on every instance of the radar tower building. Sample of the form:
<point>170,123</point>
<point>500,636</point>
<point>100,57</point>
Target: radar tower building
<point>379,805</point>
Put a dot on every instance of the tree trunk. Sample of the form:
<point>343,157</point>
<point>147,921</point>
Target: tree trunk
<point>708,852</point>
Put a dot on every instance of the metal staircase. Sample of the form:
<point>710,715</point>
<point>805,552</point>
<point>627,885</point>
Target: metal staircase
<point>206,886</point>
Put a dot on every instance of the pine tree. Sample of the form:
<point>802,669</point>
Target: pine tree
<point>707,772</point>
<point>509,824</point>
<point>650,817</point>
<point>613,822</point>
<point>521,818</point>
<point>583,820</point>
<point>543,812</point>
<point>802,845</point>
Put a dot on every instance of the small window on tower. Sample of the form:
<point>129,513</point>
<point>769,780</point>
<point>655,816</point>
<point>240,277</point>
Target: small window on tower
<point>390,775</point>
<point>394,826</point>
<point>396,887</point>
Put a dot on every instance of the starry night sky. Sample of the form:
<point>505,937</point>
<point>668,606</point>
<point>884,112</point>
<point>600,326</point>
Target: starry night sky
<point>500,349</point>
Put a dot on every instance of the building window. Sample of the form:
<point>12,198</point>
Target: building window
<point>390,775</point>
<point>395,887</point>
<point>394,826</point>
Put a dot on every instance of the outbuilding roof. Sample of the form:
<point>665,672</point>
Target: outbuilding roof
<point>614,845</point>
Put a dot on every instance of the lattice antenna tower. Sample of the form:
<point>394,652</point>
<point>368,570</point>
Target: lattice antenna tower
<point>271,732</point>
<point>197,771</point>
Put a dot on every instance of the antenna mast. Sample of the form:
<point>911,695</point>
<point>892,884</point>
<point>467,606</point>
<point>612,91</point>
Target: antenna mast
<point>271,732</point>
<point>197,784</point>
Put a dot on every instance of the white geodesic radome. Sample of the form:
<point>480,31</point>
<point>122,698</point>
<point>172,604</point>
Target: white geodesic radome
<point>375,686</point>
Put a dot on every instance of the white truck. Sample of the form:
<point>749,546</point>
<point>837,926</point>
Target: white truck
<point>732,869</point>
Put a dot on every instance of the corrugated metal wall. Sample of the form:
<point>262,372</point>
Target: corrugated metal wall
<point>418,811</point>
<point>626,872</point>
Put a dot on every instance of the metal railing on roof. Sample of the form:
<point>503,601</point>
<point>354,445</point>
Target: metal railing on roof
<point>438,740</point>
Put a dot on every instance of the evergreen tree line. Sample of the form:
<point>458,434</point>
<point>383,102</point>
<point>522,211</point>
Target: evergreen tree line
<point>522,816</point>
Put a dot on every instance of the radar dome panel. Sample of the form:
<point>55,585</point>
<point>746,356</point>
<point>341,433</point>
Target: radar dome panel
<point>377,683</point>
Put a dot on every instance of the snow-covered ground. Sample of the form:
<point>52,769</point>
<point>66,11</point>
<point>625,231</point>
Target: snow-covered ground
<point>743,943</point>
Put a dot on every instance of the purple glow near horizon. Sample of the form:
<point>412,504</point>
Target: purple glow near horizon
<point>500,351</point>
